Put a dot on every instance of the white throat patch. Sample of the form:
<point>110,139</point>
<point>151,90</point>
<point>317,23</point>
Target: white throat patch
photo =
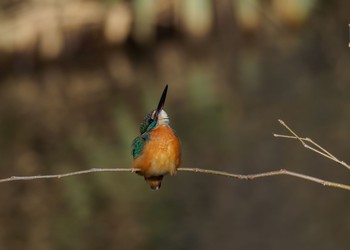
<point>163,118</point>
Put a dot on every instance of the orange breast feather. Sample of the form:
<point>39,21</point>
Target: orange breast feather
<point>161,154</point>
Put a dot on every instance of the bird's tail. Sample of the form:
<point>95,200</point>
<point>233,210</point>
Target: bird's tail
<point>154,181</point>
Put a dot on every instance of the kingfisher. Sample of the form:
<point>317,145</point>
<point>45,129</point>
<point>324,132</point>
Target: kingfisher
<point>157,150</point>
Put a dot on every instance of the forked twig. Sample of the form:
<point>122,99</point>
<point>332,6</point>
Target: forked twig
<point>317,148</point>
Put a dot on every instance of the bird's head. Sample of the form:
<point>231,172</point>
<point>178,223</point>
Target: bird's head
<point>157,117</point>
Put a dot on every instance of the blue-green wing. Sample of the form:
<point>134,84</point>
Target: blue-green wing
<point>137,146</point>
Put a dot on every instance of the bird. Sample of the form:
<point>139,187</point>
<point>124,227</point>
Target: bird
<point>157,150</point>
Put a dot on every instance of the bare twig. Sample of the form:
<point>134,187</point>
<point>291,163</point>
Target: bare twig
<point>316,148</point>
<point>194,170</point>
<point>268,174</point>
<point>54,176</point>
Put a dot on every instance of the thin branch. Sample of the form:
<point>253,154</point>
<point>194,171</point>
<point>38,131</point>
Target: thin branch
<point>268,174</point>
<point>194,170</point>
<point>58,176</point>
<point>317,148</point>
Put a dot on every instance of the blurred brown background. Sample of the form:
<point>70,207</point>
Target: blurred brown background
<point>77,77</point>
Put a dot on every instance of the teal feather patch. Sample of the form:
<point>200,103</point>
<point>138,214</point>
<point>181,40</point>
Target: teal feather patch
<point>147,124</point>
<point>137,146</point>
<point>139,142</point>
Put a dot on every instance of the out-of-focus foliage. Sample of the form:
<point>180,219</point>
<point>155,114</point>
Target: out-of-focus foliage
<point>77,77</point>
<point>49,28</point>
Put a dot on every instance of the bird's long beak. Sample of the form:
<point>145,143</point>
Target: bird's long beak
<point>161,102</point>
